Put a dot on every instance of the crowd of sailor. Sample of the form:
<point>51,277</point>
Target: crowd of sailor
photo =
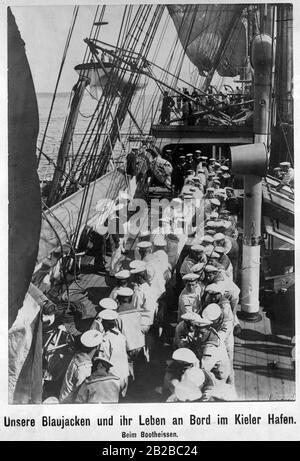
<point>187,103</point>
<point>285,173</point>
<point>178,289</point>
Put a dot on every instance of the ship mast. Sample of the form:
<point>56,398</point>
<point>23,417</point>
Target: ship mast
<point>282,135</point>
<point>78,92</point>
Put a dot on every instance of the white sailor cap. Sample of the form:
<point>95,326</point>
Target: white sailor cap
<point>212,159</point>
<point>207,238</point>
<point>196,376</point>
<point>186,391</point>
<point>224,168</point>
<point>215,201</point>
<point>277,168</point>
<point>198,151</point>
<point>144,244</point>
<point>204,157</point>
<point>91,338</point>
<point>184,355</point>
<point>190,316</point>
<point>102,230</point>
<point>229,188</point>
<point>226,175</point>
<point>226,212</point>
<point>137,263</point>
<point>220,192</point>
<point>138,270</point>
<point>189,155</point>
<point>211,312</point>
<point>122,275</point>
<point>217,164</point>
<point>219,236</point>
<point>216,180</point>
<point>210,189</point>
<point>285,164</point>
<point>212,224</point>
<point>197,267</point>
<point>202,323</point>
<point>108,303</point>
<point>200,170</point>
<point>191,277</point>
<point>211,268</point>
<point>210,231</point>
<point>124,291</point>
<point>50,400</point>
<point>209,249</point>
<point>220,249</point>
<point>198,248</point>
<point>160,241</point>
<point>215,288</point>
<point>219,223</point>
<point>108,314</point>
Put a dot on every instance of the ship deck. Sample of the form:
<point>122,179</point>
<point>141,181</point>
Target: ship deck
<point>262,359</point>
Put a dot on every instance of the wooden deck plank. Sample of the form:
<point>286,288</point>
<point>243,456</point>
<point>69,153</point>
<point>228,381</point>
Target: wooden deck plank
<point>251,391</point>
<point>263,378</point>
<point>255,353</point>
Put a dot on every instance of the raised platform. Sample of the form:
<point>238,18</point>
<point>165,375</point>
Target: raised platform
<point>187,134</point>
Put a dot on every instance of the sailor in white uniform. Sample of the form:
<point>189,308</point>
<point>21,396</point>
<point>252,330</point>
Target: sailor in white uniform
<point>113,347</point>
<point>190,297</point>
<point>288,175</point>
<point>122,278</point>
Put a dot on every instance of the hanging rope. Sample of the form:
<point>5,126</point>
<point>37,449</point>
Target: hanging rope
<point>73,21</point>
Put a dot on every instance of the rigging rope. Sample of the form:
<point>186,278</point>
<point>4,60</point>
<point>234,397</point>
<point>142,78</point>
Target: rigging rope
<point>73,21</point>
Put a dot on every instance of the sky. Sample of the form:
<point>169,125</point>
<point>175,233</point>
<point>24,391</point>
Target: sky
<point>44,30</point>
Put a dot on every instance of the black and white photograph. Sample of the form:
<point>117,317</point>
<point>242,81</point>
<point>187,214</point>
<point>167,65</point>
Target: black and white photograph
<point>151,244</point>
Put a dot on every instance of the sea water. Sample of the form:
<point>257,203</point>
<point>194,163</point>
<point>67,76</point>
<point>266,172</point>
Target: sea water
<point>56,125</point>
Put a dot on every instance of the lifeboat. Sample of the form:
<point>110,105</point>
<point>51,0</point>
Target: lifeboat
<point>109,75</point>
